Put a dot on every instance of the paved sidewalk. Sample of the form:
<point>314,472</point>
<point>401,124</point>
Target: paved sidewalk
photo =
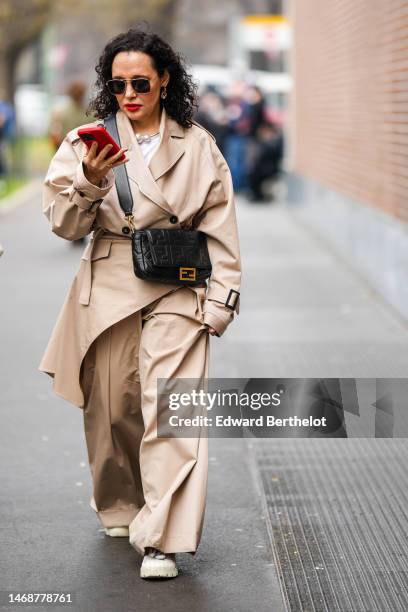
<point>336,508</point>
<point>303,314</point>
<point>50,537</point>
<point>31,190</point>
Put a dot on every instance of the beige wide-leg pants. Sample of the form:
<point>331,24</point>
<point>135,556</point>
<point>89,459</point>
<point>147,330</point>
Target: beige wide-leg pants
<point>155,485</point>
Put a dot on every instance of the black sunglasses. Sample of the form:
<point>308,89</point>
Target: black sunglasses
<point>140,85</point>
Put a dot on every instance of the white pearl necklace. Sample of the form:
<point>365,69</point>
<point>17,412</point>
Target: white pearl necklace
<point>145,137</point>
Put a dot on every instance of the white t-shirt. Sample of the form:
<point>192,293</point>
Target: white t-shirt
<point>148,148</point>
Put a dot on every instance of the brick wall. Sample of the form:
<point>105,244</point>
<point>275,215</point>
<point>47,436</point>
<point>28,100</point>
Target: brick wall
<point>350,100</point>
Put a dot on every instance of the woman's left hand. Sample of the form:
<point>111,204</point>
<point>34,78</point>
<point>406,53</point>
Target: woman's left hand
<point>212,331</point>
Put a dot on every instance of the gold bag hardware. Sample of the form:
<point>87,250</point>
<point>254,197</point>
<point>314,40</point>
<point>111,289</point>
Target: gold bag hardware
<point>188,274</point>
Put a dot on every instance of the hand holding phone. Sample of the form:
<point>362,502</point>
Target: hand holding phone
<point>103,153</point>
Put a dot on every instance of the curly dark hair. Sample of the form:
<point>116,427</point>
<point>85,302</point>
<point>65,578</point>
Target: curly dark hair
<point>181,101</point>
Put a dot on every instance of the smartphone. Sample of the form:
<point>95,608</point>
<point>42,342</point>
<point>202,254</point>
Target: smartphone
<point>102,137</point>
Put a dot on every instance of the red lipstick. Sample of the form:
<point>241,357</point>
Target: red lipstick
<point>133,107</point>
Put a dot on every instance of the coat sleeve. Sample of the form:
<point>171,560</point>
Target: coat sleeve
<point>217,219</point>
<point>70,201</point>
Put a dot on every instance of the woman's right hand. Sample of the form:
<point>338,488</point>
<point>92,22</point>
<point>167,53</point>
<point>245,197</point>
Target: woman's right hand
<point>96,166</point>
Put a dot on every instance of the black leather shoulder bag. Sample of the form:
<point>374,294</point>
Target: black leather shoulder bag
<point>163,255</point>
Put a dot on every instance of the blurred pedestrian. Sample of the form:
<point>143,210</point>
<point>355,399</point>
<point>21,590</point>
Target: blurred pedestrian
<point>212,115</point>
<point>237,138</point>
<point>7,135</point>
<point>255,100</point>
<point>256,110</point>
<point>266,162</point>
<point>68,116</point>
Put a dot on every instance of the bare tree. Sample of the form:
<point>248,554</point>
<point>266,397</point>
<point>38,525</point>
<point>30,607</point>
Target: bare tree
<point>109,17</point>
<point>22,21</point>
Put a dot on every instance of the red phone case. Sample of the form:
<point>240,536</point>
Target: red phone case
<point>102,137</point>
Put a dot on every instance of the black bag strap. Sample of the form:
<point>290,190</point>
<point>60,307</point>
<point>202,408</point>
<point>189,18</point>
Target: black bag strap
<point>121,176</point>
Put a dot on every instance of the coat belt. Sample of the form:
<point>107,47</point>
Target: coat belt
<point>100,233</point>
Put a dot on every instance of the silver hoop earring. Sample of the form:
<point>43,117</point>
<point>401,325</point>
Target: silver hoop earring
<point>163,94</point>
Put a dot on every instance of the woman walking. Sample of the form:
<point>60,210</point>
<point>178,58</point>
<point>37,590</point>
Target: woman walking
<point>117,333</point>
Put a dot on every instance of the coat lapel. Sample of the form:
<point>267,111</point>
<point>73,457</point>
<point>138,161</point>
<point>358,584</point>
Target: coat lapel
<point>170,149</point>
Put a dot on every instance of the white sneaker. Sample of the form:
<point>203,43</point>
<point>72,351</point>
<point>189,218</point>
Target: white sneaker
<point>117,532</point>
<point>157,564</point>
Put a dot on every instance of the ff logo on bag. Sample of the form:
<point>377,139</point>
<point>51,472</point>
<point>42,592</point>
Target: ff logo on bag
<point>188,274</point>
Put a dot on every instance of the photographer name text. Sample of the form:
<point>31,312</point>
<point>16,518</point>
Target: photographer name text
<point>260,421</point>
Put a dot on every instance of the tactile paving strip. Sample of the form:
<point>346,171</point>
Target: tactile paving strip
<point>338,520</point>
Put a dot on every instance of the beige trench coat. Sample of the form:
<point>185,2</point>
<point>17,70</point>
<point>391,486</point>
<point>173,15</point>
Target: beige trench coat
<point>186,185</point>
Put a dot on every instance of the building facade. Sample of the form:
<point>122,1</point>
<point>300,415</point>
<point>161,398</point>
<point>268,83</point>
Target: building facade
<point>349,133</point>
